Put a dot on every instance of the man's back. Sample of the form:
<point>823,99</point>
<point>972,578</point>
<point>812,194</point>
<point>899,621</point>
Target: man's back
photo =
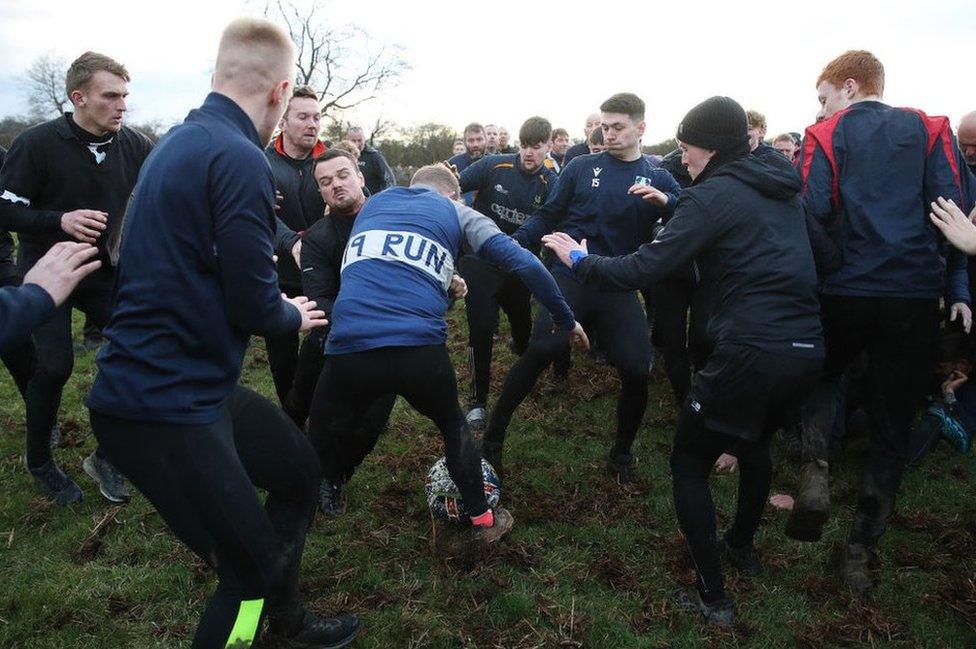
<point>869,173</point>
<point>190,288</point>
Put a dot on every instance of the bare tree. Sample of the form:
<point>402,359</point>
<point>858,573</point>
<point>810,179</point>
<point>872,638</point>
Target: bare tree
<point>342,62</point>
<point>43,86</point>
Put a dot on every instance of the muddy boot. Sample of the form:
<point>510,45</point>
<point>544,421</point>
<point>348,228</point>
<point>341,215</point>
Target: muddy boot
<point>812,507</point>
<point>854,568</point>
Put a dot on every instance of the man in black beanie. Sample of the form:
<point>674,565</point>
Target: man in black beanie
<point>743,221</point>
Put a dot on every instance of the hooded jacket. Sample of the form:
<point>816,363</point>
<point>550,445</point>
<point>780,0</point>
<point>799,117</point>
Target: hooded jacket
<point>745,226</point>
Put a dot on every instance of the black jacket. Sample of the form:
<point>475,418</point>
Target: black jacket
<point>745,225</point>
<point>375,170</point>
<point>6,241</point>
<point>301,206</point>
<point>49,171</point>
<point>322,247</point>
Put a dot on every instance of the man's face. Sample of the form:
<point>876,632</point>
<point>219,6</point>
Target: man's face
<point>560,145</point>
<point>474,144</point>
<point>503,137</point>
<point>340,183</point>
<point>533,156</point>
<point>300,125</point>
<point>592,122</point>
<point>458,147</point>
<point>101,103</point>
<point>786,147</point>
<point>694,158</point>
<point>756,135</point>
<point>832,100</point>
<point>357,137</point>
<point>491,138</point>
<point>967,140</point>
<point>620,132</point>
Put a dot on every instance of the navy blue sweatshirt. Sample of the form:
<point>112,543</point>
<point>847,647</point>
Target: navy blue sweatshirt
<point>575,151</point>
<point>196,278</point>
<point>591,202</point>
<point>505,192</point>
<point>462,161</point>
<point>22,309</point>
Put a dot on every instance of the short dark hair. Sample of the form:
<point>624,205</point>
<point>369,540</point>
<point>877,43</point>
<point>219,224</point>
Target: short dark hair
<point>627,103</point>
<point>332,154</point>
<point>560,132</point>
<point>302,92</point>
<point>474,127</point>
<point>84,68</point>
<point>535,130</point>
<point>596,136</point>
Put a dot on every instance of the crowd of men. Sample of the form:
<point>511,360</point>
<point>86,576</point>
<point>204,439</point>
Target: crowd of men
<point>783,287</point>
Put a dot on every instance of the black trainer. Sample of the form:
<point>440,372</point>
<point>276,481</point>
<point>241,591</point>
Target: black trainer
<point>111,484</point>
<point>746,560</point>
<point>330,499</point>
<point>621,467</point>
<point>316,632</point>
<point>55,485</point>
<point>719,613</point>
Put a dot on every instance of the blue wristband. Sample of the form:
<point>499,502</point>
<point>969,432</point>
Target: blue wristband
<point>576,255</point>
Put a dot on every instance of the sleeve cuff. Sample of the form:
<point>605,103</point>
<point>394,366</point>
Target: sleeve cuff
<point>576,256</point>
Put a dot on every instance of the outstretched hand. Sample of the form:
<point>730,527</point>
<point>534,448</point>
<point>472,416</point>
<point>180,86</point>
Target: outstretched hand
<point>562,244</point>
<point>62,267</point>
<point>650,194</point>
<point>955,225</point>
<point>311,317</point>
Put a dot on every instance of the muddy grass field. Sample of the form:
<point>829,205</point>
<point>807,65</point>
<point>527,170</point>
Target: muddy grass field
<point>588,564</point>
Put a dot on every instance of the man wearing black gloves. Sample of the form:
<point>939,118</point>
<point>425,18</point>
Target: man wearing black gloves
<point>292,155</point>
<point>743,220</point>
<point>70,179</point>
<point>196,280</point>
<point>376,172</point>
<point>508,189</point>
<point>613,199</point>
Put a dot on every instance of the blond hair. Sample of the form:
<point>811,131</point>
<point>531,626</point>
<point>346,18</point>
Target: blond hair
<point>254,54</point>
<point>438,176</point>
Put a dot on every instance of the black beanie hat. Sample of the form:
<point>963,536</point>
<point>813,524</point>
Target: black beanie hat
<point>718,123</point>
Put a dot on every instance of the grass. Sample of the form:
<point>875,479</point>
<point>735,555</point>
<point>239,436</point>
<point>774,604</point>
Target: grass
<point>589,564</point>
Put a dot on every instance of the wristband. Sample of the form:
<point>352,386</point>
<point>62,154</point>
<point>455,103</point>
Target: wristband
<point>576,255</point>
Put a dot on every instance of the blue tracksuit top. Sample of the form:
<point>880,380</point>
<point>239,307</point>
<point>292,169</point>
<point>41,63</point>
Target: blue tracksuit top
<point>504,191</point>
<point>195,277</point>
<point>398,265</point>
<point>868,174</point>
<point>590,201</point>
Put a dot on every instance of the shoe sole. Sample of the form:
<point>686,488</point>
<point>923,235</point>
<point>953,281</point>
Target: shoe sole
<point>495,538</point>
<point>345,642</point>
<point>806,524</point>
<point>93,474</point>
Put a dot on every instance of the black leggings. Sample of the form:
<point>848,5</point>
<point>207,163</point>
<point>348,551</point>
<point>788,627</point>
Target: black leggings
<point>681,335</point>
<point>618,320</point>
<point>352,384</point>
<point>201,479</point>
<point>54,360</point>
<point>489,288</point>
<point>736,402</point>
<point>311,356</point>
<point>283,356</point>
<point>19,360</point>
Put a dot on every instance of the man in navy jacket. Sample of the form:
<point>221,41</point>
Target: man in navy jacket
<point>883,297</point>
<point>196,281</point>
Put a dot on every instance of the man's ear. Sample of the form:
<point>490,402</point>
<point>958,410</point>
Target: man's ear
<point>640,127</point>
<point>281,92</point>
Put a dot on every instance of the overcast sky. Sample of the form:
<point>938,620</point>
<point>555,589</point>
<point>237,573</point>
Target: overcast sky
<point>505,60</point>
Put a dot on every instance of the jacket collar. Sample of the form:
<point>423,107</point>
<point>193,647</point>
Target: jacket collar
<point>279,147</point>
<point>227,108</point>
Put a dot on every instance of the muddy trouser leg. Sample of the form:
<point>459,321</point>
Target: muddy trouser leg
<point>545,346</point>
<point>623,328</point>
<point>901,358</point>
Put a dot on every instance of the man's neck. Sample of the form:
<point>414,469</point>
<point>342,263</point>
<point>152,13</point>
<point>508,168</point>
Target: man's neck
<point>83,122</point>
<point>627,155</point>
<point>856,99</point>
<point>292,151</point>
